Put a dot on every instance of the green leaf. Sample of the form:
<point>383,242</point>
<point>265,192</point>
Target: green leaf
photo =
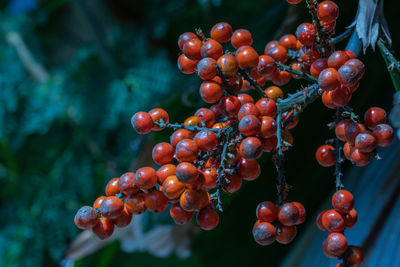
<point>392,64</point>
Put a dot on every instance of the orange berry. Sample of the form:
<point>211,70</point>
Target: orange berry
<point>246,57</point>
<point>207,218</point>
<point>180,215</point>
<point>135,203</point>
<point>172,188</point>
<point>155,201</point>
<point>228,65</point>
<point>190,200</point>
<point>241,38</point>
<point>126,184</point>
<point>212,49</point>
<point>187,65</point>
<point>163,153</point>
<point>384,134</point>
<point>325,155</point>
<point>142,122</point>
<point>286,234</point>
<point>207,68</point>
<point>186,172</point>
<point>104,228</point>
<point>111,207</point>
<point>86,217</point>
<point>221,32</point>
<point>264,233</point>
<point>187,150</point>
<point>145,178</point>
<point>112,187</point>
<point>274,92</point>
<point>266,212</point>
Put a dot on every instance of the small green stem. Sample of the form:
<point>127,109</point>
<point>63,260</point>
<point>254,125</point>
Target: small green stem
<point>301,74</point>
<point>252,82</point>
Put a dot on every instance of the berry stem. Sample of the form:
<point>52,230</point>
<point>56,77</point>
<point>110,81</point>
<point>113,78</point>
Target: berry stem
<point>302,98</point>
<point>342,36</point>
<point>279,161</point>
<point>258,88</point>
<point>304,75</point>
<point>181,126</point>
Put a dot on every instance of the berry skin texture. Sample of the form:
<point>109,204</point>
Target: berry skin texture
<point>126,184</point>
<point>241,38</point>
<point>207,218</point>
<point>340,129</point>
<point>192,121</point>
<point>228,64</point>
<point>305,33</point>
<point>179,215</point>
<point>248,169</point>
<point>206,140</point>
<point>184,37</point>
<point>354,256</point>
<point>309,55</point>
<point>249,125</point>
<point>365,142</point>
<point>187,150</point>
<point>112,187</point>
<point>374,116</point>
<point>145,178</point>
<point>289,41</point>
<point>268,127</point>
<point>221,32</point>
<point>235,182</point>
<point>351,72</point>
<point>384,134</point>
<point>266,212</point>
<point>210,92</point>
<point>302,212</point>
<point>248,109</point>
<point>158,114</point>
<point>264,233</point>
<point>251,148</point>
<point>111,207</point>
<point>187,65</point>
<point>325,155</point>
<point>163,153</point>
<point>327,11</point>
<point>192,49</point>
<point>207,68</point>
<point>210,178</point>
<point>343,201</point>
<point>179,135</point>
<point>124,218</point>
<point>279,53</point>
<point>267,107</point>
<point>293,2</point>
<point>274,92</point>
<point>206,116</point>
<point>358,158</point>
<point>190,200</point>
<point>172,188</point>
<point>328,79</point>
<point>97,202</point>
<point>352,130</point>
<point>186,172</point>
<point>246,57</point>
<point>266,65</point>
<point>155,201</point>
<point>319,221</point>
<point>337,59</point>
<point>135,204</point>
<point>335,245</point>
<point>212,49</point>
<point>333,221</point>
<point>286,234</point>
<point>350,218</point>
<point>230,106</point>
<point>317,66</point>
<point>86,217</point>
<point>142,122</point>
<point>288,214</point>
<point>104,228</point>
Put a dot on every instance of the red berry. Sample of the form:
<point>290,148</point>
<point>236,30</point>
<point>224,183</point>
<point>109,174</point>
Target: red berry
<point>340,129</point>
<point>97,202</point>
<point>142,122</point>
<point>186,172</point>
<point>212,49</point>
<point>210,179</point>
<point>274,92</point>
<point>305,33</point>
<point>337,59</point>
<point>268,127</point>
<point>104,228</point>
<point>288,214</point>
<point>267,107</point>
<point>249,125</point>
<point>228,65</point>
<point>207,218</point>
<point>328,79</point>
<point>246,57</point>
<point>157,115</point>
<point>210,91</point>
<point>293,2</point>
<point>333,221</point>
<point>187,65</point>
<point>180,215</point>
<point>124,218</point>
<point>374,116</point>
<point>241,38</point>
<point>221,32</point>
<point>251,148</point>
<point>351,72</point>
<point>184,37</point>
<point>352,130</point>
<point>327,11</point>
<point>248,109</point>
<point>325,155</point>
<point>126,184</point>
<point>278,53</point>
<point>192,49</point>
<point>111,207</point>
<point>359,158</point>
<point>179,135</point>
<point>135,203</point>
<point>172,188</point>
<point>112,187</point>
<point>302,213</point>
<point>354,256</point>
<point>264,233</point>
<point>317,66</point>
<point>266,212</point>
<point>248,169</point>
<point>350,218</point>
<point>365,142</point>
<point>86,217</point>
<point>286,234</point>
<point>187,150</point>
<point>145,178</point>
<point>269,144</point>
<point>335,245</point>
<point>206,140</point>
<point>309,55</point>
<point>230,106</point>
<point>190,200</point>
<point>156,201</point>
<point>233,183</point>
<point>384,134</point>
<point>289,41</point>
<point>163,153</point>
<point>319,221</point>
<point>207,68</point>
<point>266,65</point>
<point>206,116</point>
<point>343,201</point>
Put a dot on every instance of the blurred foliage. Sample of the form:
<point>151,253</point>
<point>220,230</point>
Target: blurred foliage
<point>62,139</point>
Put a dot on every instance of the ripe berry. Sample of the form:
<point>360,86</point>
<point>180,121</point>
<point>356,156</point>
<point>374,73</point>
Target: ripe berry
<point>343,201</point>
<point>289,120</point>
<point>158,114</point>
<point>333,221</point>
<point>221,32</point>
<point>297,66</point>
<point>230,106</point>
<point>163,153</point>
<point>266,212</point>
<point>187,65</point>
<point>187,150</point>
<point>86,217</point>
<point>207,218</point>
<point>210,179</point>
<point>111,207</point>
<point>180,215</point>
<point>248,109</point>
<point>293,2</point>
<point>192,49</point>
<point>288,214</point>
<point>145,178</point>
<point>384,134</point>
<point>374,116</point>
<point>266,65</point>
<point>352,130</point>
<point>251,148</point>
<point>274,92</point>
<point>184,37</point>
<point>328,79</point>
<point>325,155</point>
<point>172,188</point>
<point>309,55</point>
<point>97,202</point>
<point>126,184</point>
<point>319,221</point>
<point>340,96</point>
<point>264,233</point>
<point>234,84</point>
<point>286,234</point>
<point>279,53</point>
<point>327,11</point>
<point>328,27</point>
<point>340,129</point>
<point>365,142</point>
<point>112,187</point>
<point>192,121</point>
<point>350,54</point>
<point>104,228</point>
<point>268,127</point>
<point>206,116</point>
<point>249,125</point>
<point>189,200</point>
<point>305,33</point>
<point>246,57</point>
<point>179,135</point>
<point>302,212</point>
<point>289,41</point>
<point>206,140</point>
<point>270,45</point>
<point>135,203</point>
<point>216,110</point>
<point>124,218</point>
<point>241,38</point>
<point>186,172</point>
<point>228,64</point>
<point>350,218</point>
<point>354,256</point>
<point>317,66</point>
<point>142,122</point>
<point>267,107</point>
<point>337,59</point>
<point>210,92</point>
<point>155,201</point>
<point>335,245</point>
<point>248,169</point>
<point>359,158</point>
<point>212,49</point>
<point>207,68</point>
<point>233,183</point>
<point>269,144</point>
<point>351,72</point>
<point>281,77</point>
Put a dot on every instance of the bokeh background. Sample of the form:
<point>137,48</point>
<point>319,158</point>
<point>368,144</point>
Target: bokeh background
<point>72,73</point>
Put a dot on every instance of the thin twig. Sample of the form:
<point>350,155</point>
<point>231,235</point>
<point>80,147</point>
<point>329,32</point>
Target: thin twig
<point>181,126</point>
<point>395,64</point>
<point>279,161</point>
<point>301,74</point>
<point>252,82</point>
<point>301,98</point>
<point>342,36</point>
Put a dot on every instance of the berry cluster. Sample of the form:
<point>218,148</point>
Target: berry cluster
<point>342,216</point>
<point>286,218</point>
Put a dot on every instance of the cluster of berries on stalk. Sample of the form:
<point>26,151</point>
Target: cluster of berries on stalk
<point>342,216</point>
